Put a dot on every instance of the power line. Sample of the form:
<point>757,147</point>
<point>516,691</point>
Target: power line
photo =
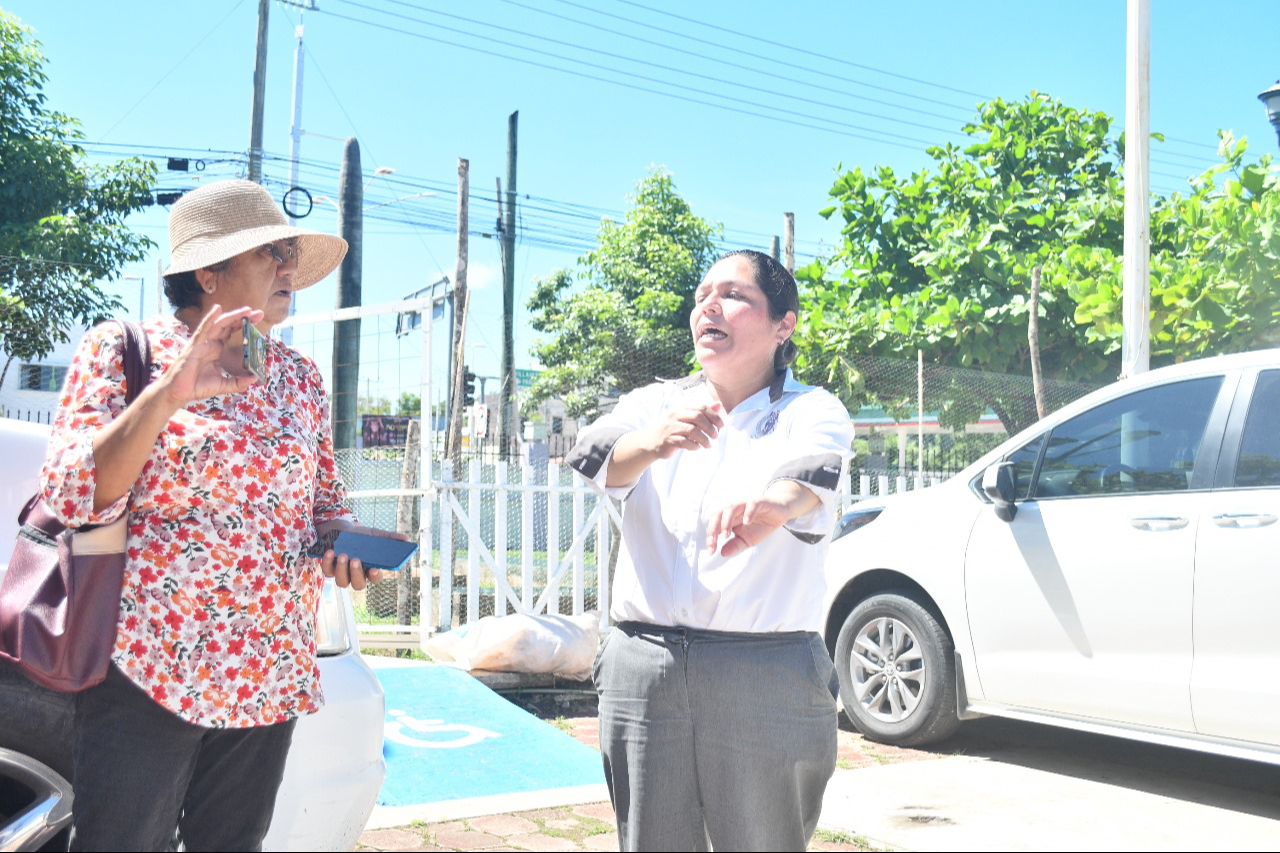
<point>175,67</point>
<point>838,59</point>
<point>851,80</point>
<point>598,79</point>
<point>549,207</point>
<point>714,60</point>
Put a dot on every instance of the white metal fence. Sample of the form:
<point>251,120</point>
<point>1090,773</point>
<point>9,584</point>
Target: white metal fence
<point>524,538</point>
<point>506,537</point>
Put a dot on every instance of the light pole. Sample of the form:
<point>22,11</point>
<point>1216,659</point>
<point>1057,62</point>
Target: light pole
<point>142,293</point>
<point>1271,98</point>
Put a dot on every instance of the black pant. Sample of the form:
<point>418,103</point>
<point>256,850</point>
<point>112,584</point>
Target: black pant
<point>142,772</point>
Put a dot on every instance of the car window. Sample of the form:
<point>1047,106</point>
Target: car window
<point>1259,460</point>
<point>1024,465</point>
<point>1146,441</point>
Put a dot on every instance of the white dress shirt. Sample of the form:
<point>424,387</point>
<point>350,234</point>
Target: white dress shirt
<point>665,576</point>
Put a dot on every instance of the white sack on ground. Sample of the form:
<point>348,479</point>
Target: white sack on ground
<point>563,646</point>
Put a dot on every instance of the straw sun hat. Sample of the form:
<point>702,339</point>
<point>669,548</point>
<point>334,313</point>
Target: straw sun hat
<point>220,220</point>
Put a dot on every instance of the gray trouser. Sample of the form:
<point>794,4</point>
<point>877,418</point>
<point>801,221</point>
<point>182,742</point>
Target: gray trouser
<point>715,737</point>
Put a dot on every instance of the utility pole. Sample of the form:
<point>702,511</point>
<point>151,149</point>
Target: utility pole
<point>295,131</point>
<point>508,386</point>
<point>774,251</point>
<point>789,241</point>
<point>1135,335</point>
<point>259,94</point>
<point>346,333</point>
<point>453,442</point>
<point>295,125</point>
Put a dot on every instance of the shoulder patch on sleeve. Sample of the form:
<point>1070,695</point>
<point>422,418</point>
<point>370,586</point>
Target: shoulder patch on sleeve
<point>821,470</point>
<point>588,456</point>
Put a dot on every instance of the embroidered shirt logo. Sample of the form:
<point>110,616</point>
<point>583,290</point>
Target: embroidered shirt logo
<point>767,425</point>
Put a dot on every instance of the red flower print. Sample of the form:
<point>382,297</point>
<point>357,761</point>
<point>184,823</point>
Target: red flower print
<point>223,506</point>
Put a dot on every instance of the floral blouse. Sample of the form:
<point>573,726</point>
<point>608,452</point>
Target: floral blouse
<point>218,610</point>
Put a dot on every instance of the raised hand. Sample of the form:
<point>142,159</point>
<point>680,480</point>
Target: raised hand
<point>200,369</point>
<point>686,429</point>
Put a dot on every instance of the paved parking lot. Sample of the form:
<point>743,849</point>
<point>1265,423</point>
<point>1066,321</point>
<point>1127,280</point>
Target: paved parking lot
<point>996,785</point>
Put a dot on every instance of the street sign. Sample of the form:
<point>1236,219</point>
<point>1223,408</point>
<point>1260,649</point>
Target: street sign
<point>525,377</point>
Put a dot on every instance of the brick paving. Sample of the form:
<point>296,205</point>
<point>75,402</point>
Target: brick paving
<point>592,826</point>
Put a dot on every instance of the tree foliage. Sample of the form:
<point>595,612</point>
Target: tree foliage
<point>409,404</point>
<point>941,261</point>
<point>621,317</point>
<point>61,220</point>
<point>1215,265</point>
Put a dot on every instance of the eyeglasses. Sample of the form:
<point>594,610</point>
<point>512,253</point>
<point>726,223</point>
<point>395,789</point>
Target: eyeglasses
<point>281,251</point>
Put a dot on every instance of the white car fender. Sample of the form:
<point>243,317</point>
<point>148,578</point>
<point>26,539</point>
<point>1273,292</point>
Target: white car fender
<point>932,559</point>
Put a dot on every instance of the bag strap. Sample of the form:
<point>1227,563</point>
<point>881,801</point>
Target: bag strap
<point>137,360</point>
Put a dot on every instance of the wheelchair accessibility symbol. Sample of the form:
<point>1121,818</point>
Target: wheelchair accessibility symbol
<point>404,730</point>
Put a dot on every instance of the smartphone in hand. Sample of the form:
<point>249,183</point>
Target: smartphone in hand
<point>373,552</point>
<point>255,351</point>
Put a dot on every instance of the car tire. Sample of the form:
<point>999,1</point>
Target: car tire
<point>896,664</point>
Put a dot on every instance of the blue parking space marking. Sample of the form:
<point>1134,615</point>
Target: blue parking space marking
<point>448,737</point>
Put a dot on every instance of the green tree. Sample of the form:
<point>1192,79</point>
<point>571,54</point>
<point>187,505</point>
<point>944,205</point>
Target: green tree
<point>1215,265</point>
<point>373,405</point>
<point>621,317</point>
<point>941,261</point>
<point>409,404</point>
<point>61,220</point>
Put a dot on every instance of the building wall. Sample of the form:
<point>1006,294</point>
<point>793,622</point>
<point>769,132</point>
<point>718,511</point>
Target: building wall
<point>15,402</point>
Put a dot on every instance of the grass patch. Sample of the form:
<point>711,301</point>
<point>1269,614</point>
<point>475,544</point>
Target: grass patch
<point>407,654</point>
<point>587,827</point>
<point>836,836</point>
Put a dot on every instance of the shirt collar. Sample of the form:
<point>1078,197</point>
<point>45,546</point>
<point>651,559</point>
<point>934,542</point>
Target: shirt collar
<point>783,383</point>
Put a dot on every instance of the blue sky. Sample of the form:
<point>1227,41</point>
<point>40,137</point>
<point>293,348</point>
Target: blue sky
<point>866,83</point>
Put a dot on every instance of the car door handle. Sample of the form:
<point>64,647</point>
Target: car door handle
<point>1159,522</point>
<point>1243,519</point>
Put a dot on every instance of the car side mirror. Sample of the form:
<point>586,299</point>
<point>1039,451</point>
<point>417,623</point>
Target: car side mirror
<point>1000,483</point>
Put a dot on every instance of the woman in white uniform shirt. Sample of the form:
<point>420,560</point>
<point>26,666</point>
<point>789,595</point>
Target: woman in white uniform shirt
<point>717,695</point>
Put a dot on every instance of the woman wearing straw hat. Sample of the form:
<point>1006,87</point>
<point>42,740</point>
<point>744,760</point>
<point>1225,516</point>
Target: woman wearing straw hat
<point>227,482</point>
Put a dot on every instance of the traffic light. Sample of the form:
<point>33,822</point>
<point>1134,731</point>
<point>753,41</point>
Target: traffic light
<point>468,387</point>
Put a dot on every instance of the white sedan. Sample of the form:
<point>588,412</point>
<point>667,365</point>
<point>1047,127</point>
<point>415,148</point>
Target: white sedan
<point>335,765</point>
<point>1114,568</point>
